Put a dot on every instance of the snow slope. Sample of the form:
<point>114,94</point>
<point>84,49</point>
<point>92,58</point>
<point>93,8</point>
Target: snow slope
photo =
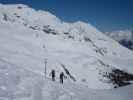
<point>28,37</point>
<point>17,83</point>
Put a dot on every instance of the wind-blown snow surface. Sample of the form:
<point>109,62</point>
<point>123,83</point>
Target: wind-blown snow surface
<point>28,37</point>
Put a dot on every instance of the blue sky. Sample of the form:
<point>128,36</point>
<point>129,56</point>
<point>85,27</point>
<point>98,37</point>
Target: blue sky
<point>106,15</point>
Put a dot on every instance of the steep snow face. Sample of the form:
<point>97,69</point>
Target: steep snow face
<point>29,38</point>
<point>124,37</point>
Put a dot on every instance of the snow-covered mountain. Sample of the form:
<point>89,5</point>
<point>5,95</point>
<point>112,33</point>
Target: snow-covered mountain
<point>30,37</point>
<point>89,59</point>
<point>124,37</point>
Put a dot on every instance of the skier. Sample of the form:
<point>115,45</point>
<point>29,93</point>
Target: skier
<point>52,74</point>
<point>62,76</point>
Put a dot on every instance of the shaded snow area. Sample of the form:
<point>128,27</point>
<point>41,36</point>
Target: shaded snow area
<point>93,63</point>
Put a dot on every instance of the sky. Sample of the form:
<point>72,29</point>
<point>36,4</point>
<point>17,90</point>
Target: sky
<point>106,15</point>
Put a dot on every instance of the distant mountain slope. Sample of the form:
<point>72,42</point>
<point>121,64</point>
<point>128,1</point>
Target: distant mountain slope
<point>28,38</point>
<point>124,37</point>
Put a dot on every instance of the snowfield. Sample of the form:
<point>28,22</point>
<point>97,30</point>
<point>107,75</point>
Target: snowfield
<point>28,38</point>
<point>20,84</point>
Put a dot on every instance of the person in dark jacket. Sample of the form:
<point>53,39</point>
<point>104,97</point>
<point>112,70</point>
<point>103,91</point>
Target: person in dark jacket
<point>53,75</point>
<point>62,76</point>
